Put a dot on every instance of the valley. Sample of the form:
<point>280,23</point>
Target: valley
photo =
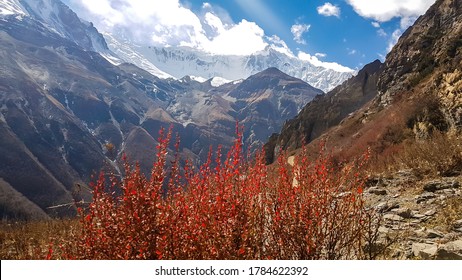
<point>381,142</point>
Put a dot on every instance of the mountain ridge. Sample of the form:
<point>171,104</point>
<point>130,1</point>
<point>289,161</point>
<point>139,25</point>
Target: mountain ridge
<point>417,92</point>
<point>68,112</point>
<point>182,61</point>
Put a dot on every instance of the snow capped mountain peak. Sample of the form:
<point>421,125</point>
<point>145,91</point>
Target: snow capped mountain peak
<point>11,7</point>
<point>60,19</point>
<point>177,62</point>
<point>187,79</point>
<point>218,81</point>
<point>185,61</point>
<point>126,51</point>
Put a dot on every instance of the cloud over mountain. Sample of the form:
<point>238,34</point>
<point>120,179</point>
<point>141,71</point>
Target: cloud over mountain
<point>169,23</point>
<point>209,28</point>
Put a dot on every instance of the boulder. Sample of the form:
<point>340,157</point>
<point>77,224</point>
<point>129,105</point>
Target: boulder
<point>403,212</point>
<point>450,251</point>
<point>424,251</point>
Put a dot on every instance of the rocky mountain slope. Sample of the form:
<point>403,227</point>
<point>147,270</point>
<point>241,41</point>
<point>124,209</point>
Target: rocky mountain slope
<point>326,111</point>
<point>417,91</point>
<point>415,100</point>
<point>67,112</point>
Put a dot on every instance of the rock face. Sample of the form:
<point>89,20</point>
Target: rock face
<point>426,61</point>
<point>326,111</point>
<point>434,41</point>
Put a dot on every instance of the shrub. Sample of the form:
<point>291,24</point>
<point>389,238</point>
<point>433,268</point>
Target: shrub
<point>439,155</point>
<point>231,208</point>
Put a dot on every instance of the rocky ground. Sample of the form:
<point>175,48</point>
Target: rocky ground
<point>419,218</point>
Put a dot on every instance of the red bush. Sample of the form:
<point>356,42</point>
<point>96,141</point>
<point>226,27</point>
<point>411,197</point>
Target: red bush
<point>231,208</point>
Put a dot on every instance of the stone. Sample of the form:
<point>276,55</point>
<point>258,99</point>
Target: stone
<point>386,206</point>
<point>457,224</point>
<point>393,217</point>
<point>430,212</point>
<point>424,251</point>
<point>449,192</point>
<point>418,216</point>
<point>450,251</point>
<point>403,212</point>
<point>383,230</point>
<point>415,222</point>
<point>377,191</point>
<point>424,197</point>
<point>420,233</point>
<point>445,183</point>
<point>434,234</point>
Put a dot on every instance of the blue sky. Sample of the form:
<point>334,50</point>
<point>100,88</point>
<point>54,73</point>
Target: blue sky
<point>350,33</point>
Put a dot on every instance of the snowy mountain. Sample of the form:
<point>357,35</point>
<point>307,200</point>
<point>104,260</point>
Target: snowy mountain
<point>66,112</point>
<point>59,19</point>
<point>125,50</point>
<point>11,7</point>
<point>184,61</point>
<point>167,62</point>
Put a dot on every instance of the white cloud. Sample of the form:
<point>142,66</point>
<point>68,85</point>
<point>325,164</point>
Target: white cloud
<point>352,52</point>
<point>382,33</point>
<point>405,22</point>
<point>279,45</point>
<point>394,39</point>
<point>381,56</point>
<point>316,62</point>
<point>169,23</point>
<point>245,31</point>
<point>298,30</point>
<point>206,5</point>
<point>329,10</point>
<point>381,11</point>
<point>214,22</point>
<point>104,9</point>
<point>385,10</point>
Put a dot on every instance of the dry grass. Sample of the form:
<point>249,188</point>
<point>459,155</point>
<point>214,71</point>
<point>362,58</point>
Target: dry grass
<point>31,240</point>
<point>438,156</point>
<point>445,219</point>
